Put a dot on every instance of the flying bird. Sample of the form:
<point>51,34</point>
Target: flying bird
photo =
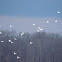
<point>37,30</point>
<point>1,33</point>
<point>47,21</point>
<point>33,24</point>
<point>18,57</point>
<point>58,12</point>
<point>31,42</point>
<point>2,41</point>
<point>56,21</point>
<point>22,33</point>
<point>15,53</point>
<point>10,26</point>
<point>15,39</point>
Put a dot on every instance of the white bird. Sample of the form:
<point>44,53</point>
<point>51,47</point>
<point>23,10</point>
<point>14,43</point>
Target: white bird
<point>38,27</point>
<point>47,21</point>
<point>22,33</point>
<point>15,53</point>
<point>18,57</point>
<point>33,24</point>
<point>1,33</point>
<point>15,39</point>
<point>37,30</point>
<point>2,41</point>
<point>9,40</point>
<point>31,42</point>
<point>10,26</point>
<point>12,42</point>
<point>56,21</point>
<point>41,29</point>
<point>58,12</point>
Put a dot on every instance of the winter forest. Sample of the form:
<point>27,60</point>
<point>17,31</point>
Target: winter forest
<point>26,47</point>
<point>30,30</point>
<point>38,46</point>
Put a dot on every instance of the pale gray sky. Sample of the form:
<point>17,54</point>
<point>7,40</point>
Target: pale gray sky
<point>24,24</point>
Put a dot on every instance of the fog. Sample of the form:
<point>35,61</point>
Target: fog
<point>25,24</point>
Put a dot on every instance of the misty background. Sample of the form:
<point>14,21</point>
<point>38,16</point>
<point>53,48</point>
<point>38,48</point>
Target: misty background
<point>21,14</point>
<point>25,24</point>
<point>30,30</point>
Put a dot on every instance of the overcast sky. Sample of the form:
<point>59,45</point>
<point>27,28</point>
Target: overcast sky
<point>21,14</point>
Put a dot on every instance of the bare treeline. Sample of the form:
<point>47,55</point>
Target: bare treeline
<point>36,47</point>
